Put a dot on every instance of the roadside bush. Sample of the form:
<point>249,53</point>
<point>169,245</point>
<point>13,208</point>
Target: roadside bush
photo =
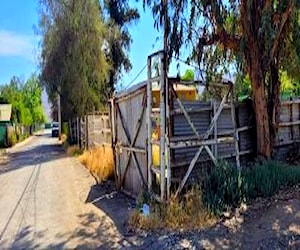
<point>266,179</point>
<point>73,150</point>
<point>11,138</point>
<point>65,128</point>
<point>22,137</point>
<point>99,161</point>
<point>225,187</point>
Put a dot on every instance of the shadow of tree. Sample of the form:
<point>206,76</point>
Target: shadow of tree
<point>272,225</point>
<point>269,224</point>
<point>32,156</point>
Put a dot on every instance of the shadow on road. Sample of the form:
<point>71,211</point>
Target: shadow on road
<point>33,155</point>
<point>115,204</point>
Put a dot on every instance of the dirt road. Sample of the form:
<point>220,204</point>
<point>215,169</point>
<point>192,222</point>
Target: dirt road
<point>43,196</point>
<point>49,201</point>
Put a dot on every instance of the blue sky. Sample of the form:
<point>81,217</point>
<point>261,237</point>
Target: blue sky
<point>19,43</point>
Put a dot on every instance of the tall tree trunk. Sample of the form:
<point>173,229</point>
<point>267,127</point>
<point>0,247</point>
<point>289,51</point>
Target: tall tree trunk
<point>260,105</point>
<point>274,101</point>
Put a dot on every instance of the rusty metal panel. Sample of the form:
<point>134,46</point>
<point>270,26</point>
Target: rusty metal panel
<point>224,122</point>
<point>200,119</point>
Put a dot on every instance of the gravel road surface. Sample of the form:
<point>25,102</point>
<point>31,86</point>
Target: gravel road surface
<point>43,195</point>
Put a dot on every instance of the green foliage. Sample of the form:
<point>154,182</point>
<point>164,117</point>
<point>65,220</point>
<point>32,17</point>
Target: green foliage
<point>65,128</point>
<point>119,17</point>
<point>189,75</point>
<point>73,62</point>
<point>226,187</point>
<point>243,87</point>
<point>266,179</point>
<point>223,188</point>
<point>26,100</point>
<point>11,138</point>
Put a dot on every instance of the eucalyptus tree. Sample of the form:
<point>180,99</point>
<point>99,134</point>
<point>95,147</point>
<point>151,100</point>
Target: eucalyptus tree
<point>261,37</point>
<point>119,16</point>
<point>73,63</point>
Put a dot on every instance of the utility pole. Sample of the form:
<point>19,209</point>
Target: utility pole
<point>165,9</point>
<point>59,116</point>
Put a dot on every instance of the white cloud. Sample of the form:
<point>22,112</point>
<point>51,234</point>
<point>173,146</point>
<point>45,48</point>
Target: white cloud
<point>18,45</point>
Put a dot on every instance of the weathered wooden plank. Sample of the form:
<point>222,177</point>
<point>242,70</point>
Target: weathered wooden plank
<point>133,149</point>
<point>194,143</point>
<point>189,111</point>
<point>288,124</point>
<point>235,132</point>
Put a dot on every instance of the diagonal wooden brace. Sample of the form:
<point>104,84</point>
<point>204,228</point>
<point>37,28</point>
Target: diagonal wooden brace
<point>205,137</point>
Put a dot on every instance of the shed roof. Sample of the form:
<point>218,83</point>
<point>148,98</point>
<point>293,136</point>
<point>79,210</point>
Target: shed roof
<point>5,112</point>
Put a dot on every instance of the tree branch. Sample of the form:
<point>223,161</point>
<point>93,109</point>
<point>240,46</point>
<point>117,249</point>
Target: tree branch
<point>227,40</point>
<point>284,19</point>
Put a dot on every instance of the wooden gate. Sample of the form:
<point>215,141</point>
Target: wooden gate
<point>128,119</point>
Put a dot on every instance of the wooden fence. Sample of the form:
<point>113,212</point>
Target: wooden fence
<point>288,136</point>
<point>90,130</point>
<point>185,136</point>
<point>130,140</point>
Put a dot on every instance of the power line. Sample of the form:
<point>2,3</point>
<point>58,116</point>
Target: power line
<point>191,65</point>
<point>138,74</point>
<point>187,63</point>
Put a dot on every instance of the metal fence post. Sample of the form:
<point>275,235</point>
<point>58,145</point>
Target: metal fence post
<point>162,124</point>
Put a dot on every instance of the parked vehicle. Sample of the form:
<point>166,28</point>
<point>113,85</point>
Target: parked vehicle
<point>55,129</point>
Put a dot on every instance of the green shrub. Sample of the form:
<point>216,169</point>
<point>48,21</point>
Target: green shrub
<point>23,137</point>
<point>266,179</point>
<point>226,187</point>
<point>223,188</point>
<point>65,128</point>
<point>11,138</point>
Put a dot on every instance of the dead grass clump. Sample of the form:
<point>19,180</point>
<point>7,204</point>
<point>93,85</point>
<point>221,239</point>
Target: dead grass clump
<point>64,138</point>
<point>186,214</point>
<point>73,150</point>
<point>99,161</point>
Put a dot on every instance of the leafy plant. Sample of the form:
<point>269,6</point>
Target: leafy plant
<point>225,187</point>
<point>11,138</point>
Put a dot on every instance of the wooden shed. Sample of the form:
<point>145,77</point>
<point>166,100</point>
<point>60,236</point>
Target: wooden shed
<point>5,112</point>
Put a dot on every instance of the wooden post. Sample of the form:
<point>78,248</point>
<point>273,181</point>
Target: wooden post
<point>162,124</point>
<point>235,131</point>
<point>77,131</point>
<point>168,134</point>
<point>59,116</point>
<point>214,110</point>
<point>70,129</point>
<point>86,132</point>
<point>291,118</point>
<point>149,125</point>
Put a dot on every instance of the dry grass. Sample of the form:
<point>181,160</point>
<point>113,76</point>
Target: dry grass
<point>186,214</point>
<point>73,150</point>
<point>64,138</point>
<point>99,161</point>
